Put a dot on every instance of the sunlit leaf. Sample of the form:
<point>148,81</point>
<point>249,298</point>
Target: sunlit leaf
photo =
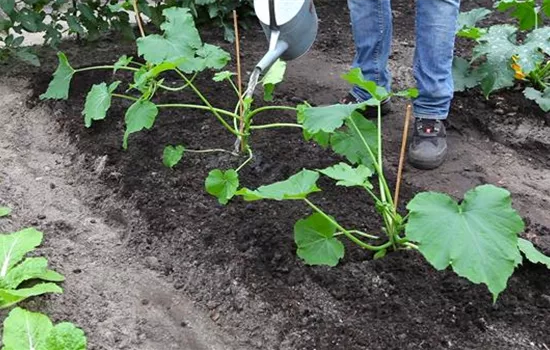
<point>298,186</point>
<point>222,184</point>
<point>274,76</point>
<point>348,176</point>
<point>98,102</point>
<point>141,115</point>
<point>172,155</point>
<point>59,86</point>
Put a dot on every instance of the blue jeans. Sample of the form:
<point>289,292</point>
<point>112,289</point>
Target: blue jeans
<point>436,24</point>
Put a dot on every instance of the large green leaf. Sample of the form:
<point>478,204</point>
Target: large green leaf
<point>9,297</point>
<point>298,186</point>
<point>180,38</point>
<point>541,98</point>
<point>532,254</point>
<point>98,102</point>
<point>59,86</point>
<point>348,176</point>
<point>349,142</point>
<point>274,76</point>
<point>25,330</point>
<point>477,238</point>
<point>524,10</point>
<point>316,243</point>
<point>327,118</point>
<point>172,155</point>
<point>141,115</point>
<point>222,184</point>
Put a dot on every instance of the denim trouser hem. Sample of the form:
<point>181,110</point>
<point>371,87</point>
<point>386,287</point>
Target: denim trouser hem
<point>430,116</point>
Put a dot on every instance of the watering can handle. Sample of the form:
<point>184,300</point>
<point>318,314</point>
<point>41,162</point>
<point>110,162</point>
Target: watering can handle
<point>272,18</point>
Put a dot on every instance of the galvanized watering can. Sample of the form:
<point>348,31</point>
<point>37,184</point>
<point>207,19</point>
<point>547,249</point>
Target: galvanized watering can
<point>290,26</point>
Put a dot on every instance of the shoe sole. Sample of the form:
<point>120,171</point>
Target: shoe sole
<point>424,164</point>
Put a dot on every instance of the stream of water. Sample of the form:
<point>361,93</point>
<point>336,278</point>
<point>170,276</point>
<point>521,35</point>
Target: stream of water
<point>252,82</point>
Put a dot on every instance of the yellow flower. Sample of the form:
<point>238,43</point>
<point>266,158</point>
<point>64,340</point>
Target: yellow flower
<point>517,68</point>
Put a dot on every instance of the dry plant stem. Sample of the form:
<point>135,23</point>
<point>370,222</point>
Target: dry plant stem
<point>239,77</point>
<point>402,155</point>
<point>138,18</point>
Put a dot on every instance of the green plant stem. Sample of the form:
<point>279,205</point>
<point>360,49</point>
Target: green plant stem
<point>212,150</point>
<point>364,234</point>
<point>276,125</point>
<point>179,88</point>
<point>207,103</point>
<point>384,189</point>
<point>126,97</point>
<point>346,232</point>
<point>104,67</point>
<point>270,108</point>
<point>250,156</point>
<point>205,108</point>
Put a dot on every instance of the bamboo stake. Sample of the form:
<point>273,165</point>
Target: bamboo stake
<point>138,18</point>
<point>239,75</point>
<point>402,155</point>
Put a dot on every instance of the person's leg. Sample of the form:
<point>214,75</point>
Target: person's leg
<point>436,24</point>
<point>371,22</point>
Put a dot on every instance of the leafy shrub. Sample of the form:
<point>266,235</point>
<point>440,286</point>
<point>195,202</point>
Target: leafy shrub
<point>92,18</point>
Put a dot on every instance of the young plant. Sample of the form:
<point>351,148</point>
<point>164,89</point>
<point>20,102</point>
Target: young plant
<point>500,60</point>
<point>16,270</point>
<point>5,211</point>
<point>477,237</point>
<point>25,330</point>
<point>177,52</point>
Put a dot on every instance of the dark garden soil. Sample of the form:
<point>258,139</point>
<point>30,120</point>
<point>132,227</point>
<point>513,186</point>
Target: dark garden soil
<point>239,261</point>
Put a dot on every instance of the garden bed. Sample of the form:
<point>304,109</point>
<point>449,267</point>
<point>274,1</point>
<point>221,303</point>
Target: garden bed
<point>238,262</point>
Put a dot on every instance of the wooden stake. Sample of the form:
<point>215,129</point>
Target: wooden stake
<point>138,19</point>
<point>239,75</point>
<point>402,155</point>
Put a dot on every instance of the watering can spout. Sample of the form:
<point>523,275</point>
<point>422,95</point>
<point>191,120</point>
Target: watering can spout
<point>290,26</point>
<point>277,48</point>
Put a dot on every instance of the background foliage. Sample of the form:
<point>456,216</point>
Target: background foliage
<point>90,19</point>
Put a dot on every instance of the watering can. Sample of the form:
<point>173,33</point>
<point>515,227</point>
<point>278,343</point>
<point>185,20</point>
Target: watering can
<point>290,27</point>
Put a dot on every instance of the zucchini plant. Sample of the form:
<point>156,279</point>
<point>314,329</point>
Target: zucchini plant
<point>477,237</point>
<point>500,59</point>
<point>180,51</point>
